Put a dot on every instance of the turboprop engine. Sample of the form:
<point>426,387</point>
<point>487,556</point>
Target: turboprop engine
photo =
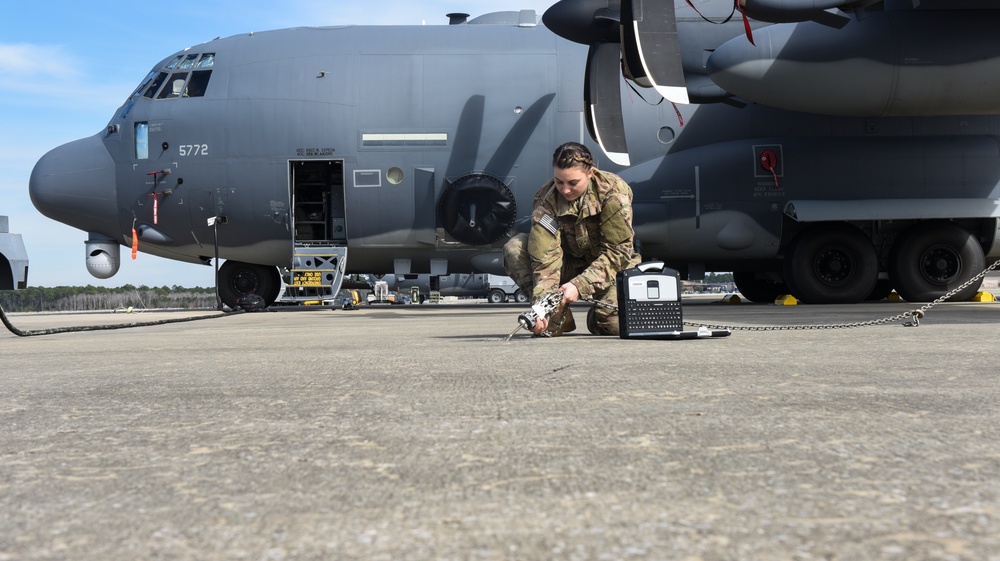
<point>901,63</point>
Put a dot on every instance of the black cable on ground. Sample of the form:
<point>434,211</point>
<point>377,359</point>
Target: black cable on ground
<point>54,330</point>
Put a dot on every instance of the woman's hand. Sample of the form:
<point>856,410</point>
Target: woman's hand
<point>570,293</point>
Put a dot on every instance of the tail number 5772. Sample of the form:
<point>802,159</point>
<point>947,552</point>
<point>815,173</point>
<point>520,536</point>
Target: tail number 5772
<point>192,150</point>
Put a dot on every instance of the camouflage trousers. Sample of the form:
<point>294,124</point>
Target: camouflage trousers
<point>517,262</point>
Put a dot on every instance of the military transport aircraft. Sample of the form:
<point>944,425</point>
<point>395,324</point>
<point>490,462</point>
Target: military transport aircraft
<point>829,157</point>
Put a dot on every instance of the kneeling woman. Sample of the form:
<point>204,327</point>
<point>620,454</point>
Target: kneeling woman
<point>581,236</point>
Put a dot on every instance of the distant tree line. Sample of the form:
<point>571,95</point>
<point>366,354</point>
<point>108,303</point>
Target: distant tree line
<point>718,277</point>
<point>94,298</point>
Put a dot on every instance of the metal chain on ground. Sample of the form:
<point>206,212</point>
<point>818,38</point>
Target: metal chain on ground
<point>909,318</point>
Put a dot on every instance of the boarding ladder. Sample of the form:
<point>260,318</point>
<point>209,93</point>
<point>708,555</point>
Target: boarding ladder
<point>317,273</point>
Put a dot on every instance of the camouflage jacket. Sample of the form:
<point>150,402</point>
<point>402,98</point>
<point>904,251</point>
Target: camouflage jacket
<point>595,231</point>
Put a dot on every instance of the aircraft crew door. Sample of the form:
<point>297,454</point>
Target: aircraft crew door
<point>317,193</point>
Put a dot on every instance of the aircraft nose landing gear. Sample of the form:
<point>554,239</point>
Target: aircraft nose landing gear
<point>238,279</point>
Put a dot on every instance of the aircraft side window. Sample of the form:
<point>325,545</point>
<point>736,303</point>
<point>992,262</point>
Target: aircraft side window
<point>173,63</point>
<point>188,61</point>
<point>207,60</point>
<point>174,87</point>
<point>151,90</point>
<point>142,140</point>
<point>198,84</point>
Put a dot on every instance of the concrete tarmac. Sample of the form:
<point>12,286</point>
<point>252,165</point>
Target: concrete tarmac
<point>413,432</point>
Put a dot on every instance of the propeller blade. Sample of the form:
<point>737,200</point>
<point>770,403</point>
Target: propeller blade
<point>651,47</point>
<point>603,101</point>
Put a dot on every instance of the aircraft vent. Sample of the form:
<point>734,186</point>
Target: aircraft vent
<point>457,18</point>
<point>477,209</point>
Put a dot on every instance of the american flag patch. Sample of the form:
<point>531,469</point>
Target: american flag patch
<point>548,223</point>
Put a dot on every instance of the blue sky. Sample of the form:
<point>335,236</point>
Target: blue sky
<point>65,66</point>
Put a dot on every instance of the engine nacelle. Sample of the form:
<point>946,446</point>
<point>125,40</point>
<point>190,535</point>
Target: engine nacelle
<point>907,63</point>
<point>103,257</point>
<point>781,11</point>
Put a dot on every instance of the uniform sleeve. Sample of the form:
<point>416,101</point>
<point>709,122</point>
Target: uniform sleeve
<point>545,250</point>
<point>616,244</point>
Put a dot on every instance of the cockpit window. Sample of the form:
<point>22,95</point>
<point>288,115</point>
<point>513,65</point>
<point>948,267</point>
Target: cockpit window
<point>207,61</point>
<point>174,87</point>
<point>143,84</point>
<point>198,84</point>
<point>178,85</point>
<point>151,90</point>
<point>188,61</point>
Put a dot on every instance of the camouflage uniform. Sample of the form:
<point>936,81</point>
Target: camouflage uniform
<point>587,242</point>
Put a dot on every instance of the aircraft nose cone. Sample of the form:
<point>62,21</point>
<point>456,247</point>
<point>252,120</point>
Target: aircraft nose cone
<point>75,184</point>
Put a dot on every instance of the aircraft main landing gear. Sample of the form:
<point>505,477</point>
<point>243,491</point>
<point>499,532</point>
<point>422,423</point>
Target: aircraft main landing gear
<point>831,264</point>
<point>930,259</point>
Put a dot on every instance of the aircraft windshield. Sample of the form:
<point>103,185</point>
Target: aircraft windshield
<point>188,73</point>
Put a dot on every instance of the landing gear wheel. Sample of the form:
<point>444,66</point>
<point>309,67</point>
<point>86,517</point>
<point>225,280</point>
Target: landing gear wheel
<point>237,279</point>
<point>496,296</point>
<point>931,259</point>
<point>759,290</point>
<point>831,264</point>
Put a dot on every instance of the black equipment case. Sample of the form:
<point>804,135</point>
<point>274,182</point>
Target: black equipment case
<point>649,305</point>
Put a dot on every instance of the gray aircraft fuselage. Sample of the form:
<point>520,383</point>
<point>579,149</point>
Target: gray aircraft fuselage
<point>372,99</point>
<point>397,114</point>
<point>365,137</point>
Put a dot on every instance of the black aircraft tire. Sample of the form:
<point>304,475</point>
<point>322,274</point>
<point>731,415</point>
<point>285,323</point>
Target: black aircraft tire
<point>929,260</point>
<point>758,290</point>
<point>831,264</point>
<point>237,279</point>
